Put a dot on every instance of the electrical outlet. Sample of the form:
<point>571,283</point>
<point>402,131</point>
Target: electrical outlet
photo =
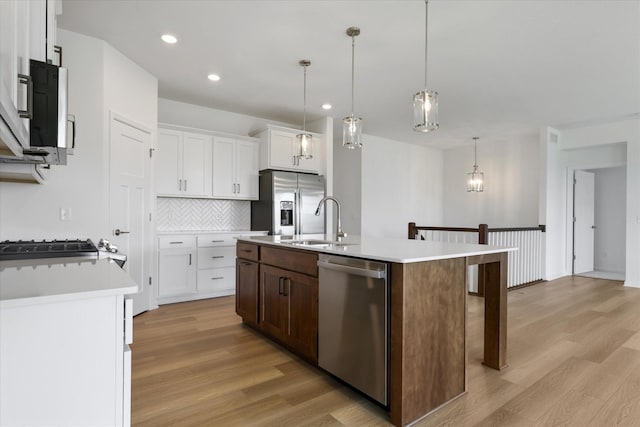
<point>65,214</point>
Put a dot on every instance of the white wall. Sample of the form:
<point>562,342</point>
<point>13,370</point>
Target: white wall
<point>400,183</point>
<point>610,215</point>
<point>347,177</point>
<point>196,116</point>
<point>552,208</point>
<point>510,196</point>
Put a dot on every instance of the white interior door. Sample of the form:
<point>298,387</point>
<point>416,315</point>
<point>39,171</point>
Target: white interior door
<point>583,225</point>
<point>129,203</point>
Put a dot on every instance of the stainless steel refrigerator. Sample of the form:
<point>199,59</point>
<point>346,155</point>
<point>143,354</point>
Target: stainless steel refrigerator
<point>288,202</point>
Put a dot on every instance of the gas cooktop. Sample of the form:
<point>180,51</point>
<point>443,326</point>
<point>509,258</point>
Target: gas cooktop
<point>20,249</point>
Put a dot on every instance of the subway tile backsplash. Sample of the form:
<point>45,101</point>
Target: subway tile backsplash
<point>176,214</point>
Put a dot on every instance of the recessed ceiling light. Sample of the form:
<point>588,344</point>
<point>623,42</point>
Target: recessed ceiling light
<point>213,77</point>
<point>168,38</point>
<point>326,106</point>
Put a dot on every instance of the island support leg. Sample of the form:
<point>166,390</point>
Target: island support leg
<point>495,313</point>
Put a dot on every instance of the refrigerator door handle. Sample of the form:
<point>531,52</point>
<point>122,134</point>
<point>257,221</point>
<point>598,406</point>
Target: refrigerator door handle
<point>296,210</point>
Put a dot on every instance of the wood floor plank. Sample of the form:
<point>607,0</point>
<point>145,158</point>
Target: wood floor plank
<point>623,407</point>
<point>573,350</point>
<point>633,342</point>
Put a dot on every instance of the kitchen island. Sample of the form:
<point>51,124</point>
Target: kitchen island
<point>65,326</point>
<point>427,323</point>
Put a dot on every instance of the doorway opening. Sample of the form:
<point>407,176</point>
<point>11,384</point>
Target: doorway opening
<point>599,222</point>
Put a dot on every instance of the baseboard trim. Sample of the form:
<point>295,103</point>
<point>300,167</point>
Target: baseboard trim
<point>632,283</point>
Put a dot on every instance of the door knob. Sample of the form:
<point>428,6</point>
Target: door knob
<point>118,232</point>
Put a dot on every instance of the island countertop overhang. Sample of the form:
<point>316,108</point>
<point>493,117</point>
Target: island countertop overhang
<point>396,250</point>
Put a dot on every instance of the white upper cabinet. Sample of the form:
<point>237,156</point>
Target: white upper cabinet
<point>235,168</point>
<point>42,21</point>
<point>278,150</point>
<point>205,164</point>
<point>196,165</point>
<point>183,164</point>
<point>247,175</point>
<point>14,63</point>
<point>224,181</point>
<point>27,31</point>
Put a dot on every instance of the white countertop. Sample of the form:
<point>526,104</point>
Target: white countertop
<point>402,251</point>
<point>40,281</point>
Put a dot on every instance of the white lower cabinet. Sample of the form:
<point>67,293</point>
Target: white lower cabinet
<point>197,266</point>
<point>66,362</point>
<point>176,265</point>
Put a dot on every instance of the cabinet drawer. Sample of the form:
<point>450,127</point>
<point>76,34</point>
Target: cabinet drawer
<point>173,242</point>
<point>214,257</point>
<point>217,279</point>
<point>247,251</point>
<point>211,240</point>
<point>302,262</point>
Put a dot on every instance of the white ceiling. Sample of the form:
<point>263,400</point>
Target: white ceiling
<point>502,68</point>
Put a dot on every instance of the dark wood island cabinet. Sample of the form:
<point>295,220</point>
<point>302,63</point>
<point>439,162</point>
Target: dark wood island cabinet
<point>277,294</point>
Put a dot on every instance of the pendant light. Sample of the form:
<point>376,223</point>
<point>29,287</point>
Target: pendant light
<point>305,140</point>
<point>425,102</point>
<point>475,179</point>
<point>352,125</point>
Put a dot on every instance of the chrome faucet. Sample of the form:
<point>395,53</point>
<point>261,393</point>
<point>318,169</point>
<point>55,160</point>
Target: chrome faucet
<point>339,233</point>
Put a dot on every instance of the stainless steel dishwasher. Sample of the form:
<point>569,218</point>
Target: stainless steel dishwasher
<point>353,336</point>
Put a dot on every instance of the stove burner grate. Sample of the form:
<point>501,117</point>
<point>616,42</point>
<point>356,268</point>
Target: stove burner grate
<point>20,249</point>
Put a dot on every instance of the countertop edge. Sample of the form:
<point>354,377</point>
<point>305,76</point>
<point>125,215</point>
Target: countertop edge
<point>378,257</point>
<point>48,299</point>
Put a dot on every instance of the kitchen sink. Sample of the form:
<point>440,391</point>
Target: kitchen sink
<point>316,243</point>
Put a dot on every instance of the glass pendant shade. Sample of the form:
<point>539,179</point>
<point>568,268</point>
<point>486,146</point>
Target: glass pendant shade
<point>352,125</point>
<point>352,132</point>
<point>305,140</point>
<point>425,102</point>
<point>305,145</point>
<point>425,111</point>
<point>475,180</point>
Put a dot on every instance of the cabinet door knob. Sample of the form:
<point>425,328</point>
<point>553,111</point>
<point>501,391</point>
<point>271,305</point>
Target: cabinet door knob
<point>118,232</point>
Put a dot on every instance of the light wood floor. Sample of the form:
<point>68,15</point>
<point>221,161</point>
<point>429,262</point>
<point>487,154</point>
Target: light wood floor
<point>573,353</point>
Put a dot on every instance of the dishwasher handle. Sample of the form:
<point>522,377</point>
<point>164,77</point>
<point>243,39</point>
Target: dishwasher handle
<point>364,272</point>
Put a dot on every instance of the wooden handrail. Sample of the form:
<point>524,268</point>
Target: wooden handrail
<point>542,228</point>
<point>482,230</point>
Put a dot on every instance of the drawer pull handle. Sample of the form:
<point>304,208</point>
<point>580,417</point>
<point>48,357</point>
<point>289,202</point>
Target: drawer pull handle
<point>176,243</point>
<point>246,250</point>
<point>217,278</point>
<point>217,241</point>
<point>245,263</point>
<point>218,256</point>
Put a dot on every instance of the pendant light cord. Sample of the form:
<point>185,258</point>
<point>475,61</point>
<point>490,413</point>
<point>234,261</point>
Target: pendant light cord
<point>426,33</point>
<point>353,54</point>
<point>475,152</point>
<point>304,107</point>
